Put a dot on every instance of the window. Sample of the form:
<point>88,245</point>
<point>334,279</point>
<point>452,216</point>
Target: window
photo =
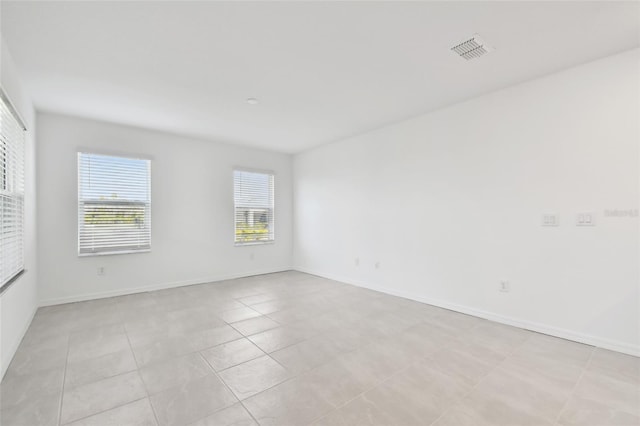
<point>253,199</point>
<point>11,193</point>
<point>114,204</point>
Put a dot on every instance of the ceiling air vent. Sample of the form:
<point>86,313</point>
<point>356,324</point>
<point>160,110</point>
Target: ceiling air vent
<point>472,48</point>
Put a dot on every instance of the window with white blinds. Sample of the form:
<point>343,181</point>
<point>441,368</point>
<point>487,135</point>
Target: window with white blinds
<point>114,204</point>
<point>253,199</point>
<point>12,142</point>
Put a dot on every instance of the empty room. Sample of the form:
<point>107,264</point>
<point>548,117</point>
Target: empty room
<point>329,213</point>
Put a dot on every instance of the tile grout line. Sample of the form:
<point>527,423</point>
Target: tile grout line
<point>146,390</point>
<point>228,389</point>
<point>104,411</point>
<point>337,407</point>
<point>481,379</point>
<point>289,378</point>
<point>64,379</point>
<point>248,335</point>
<point>400,371</point>
<point>235,365</point>
<point>65,372</point>
<point>160,360</point>
<point>375,340</point>
<point>575,386</point>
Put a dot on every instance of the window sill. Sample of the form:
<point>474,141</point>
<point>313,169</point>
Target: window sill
<point>111,253</point>
<point>255,243</point>
<point>12,280</point>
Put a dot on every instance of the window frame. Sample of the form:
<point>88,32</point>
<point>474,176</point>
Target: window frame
<point>18,193</point>
<point>272,175</point>
<point>148,204</point>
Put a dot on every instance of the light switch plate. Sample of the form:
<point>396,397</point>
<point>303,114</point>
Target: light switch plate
<point>586,219</point>
<point>550,219</point>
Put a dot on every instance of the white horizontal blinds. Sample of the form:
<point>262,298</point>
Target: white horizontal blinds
<point>12,141</point>
<point>253,199</point>
<point>114,204</point>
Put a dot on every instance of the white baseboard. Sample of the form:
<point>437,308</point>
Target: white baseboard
<point>160,286</point>
<point>600,342</point>
<point>14,345</point>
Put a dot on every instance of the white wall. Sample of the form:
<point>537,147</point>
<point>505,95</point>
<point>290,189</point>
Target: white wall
<point>19,302</point>
<point>192,212</point>
<point>450,203</point>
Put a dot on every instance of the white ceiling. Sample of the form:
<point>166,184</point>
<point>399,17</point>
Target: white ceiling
<point>321,70</point>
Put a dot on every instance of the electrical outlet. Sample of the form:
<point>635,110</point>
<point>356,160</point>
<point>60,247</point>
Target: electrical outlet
<point>357,261</point>
<point>377,265</point>
<point>101,270</point>
<point>504,287</point>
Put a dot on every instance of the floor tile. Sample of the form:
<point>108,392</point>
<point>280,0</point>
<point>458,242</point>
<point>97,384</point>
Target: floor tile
<point>292,403</point>
<point>96,345</point>
<point>173,372</point>
<point>503,399</point>
<point>378,360</point>
<point>161,350</point>
<point>417,395</point>
<point>178,343</point>
<point>45,337</point>
<point>209,338</point>
<point>255,325</point>
<point>232,353</point>
<point>271,306</point>
<point>17,389</point>
<point>192,319</point>
<point>389,323</point>
<point>455,322</point>
<point>499,338</point>
<point>305,355</point>
<point>554,376</point>
<point>257,298</point>
<point>40,410</point>
<point>138,413</point>
<point>615,365</point>
<point>236,415</point>
<point>292,315</point>
<point>478,351</point>
<point>191,402</point>
<point>617,394</point>
<point>254,376</point>
<point>362,412</point>
<point>299,349</point>
<point>281,337</point>
<point>338,381</point>
<point>458,417</point>
<point>220,305</point>
<point>588,412</point>
<point>94,335</point>
<point>555,350</point>
<point>460,365</point>
<point>421,340</point>
<point>345,339</point>
<point>235,315</point>
<point>93,398</point>
<point>33,359</point>
<point>102,367</point>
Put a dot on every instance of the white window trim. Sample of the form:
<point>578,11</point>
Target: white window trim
<point>273,209</point>
<point>4,98</point>
<point>125,251</point>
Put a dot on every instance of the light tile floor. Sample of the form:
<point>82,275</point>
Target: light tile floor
<point>295,349</point>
